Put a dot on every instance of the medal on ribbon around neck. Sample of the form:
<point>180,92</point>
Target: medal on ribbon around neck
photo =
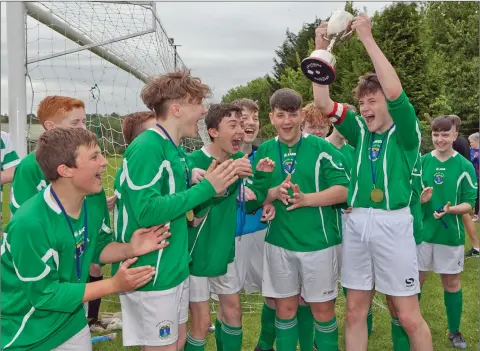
<point>190,215</point>
<point>376,195</point>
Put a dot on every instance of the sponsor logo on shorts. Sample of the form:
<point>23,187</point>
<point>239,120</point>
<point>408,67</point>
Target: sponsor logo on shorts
<point>164,329</point>
<point>438,178</point>
<point>410,283</point>
<point>328,292</point>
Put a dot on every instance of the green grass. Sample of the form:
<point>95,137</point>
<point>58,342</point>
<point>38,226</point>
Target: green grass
<point>432,305</point>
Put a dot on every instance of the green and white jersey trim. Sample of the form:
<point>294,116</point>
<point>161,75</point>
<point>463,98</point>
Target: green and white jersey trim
<point>165,165</point>
<point>49,254</point>
<point>385,158</point>
<point>359,160</point>
<point>324,155</point>
<point>9,157</point>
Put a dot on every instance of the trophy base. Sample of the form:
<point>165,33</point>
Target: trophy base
<point>319,67</point>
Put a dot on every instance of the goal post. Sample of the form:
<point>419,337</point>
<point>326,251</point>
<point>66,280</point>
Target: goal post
<point>100,52</point>
<point>17,89</point>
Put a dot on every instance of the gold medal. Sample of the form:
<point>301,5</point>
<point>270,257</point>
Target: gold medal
<point>190,215</point>
<point>376,195</point>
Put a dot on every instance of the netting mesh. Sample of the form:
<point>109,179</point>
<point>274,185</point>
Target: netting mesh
<point>109,77</point>
<point>109,92</point>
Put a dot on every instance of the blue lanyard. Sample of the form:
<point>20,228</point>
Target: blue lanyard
<point>372,169</point>
<point>242,204</point>
<point>187,171</point>
<point>292,166</point>
<point>78,252</point>
<point>440,210</point>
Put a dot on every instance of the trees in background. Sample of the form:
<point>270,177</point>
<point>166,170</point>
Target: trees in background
<point>432,45</point>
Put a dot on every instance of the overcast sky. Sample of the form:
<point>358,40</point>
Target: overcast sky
<point>226,44</point>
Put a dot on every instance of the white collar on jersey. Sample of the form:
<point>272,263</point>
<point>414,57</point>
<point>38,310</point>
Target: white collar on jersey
<point>205,151</point>
<point>304,135</point>
<point>158,132</point>
<point>455,153</point>
<point>48,199</point>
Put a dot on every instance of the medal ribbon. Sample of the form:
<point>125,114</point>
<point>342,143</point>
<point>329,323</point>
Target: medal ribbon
<point>242,204</point>
<point>85,233</point>
<point>372,169</point>
<point>292,166</point>
<point>187,171</point>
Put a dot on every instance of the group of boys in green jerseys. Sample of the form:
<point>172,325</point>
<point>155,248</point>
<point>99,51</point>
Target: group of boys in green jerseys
<point>391,192</point>
<point>389,177</point>
<point>51,242</point>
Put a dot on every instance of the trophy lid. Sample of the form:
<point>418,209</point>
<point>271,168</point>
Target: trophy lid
<point>339,23</point>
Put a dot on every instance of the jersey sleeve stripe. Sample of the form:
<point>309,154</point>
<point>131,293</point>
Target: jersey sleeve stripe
<point>22,326</point>
<point>49,254</point>
<point>165,164</point>
<point>10,164</point>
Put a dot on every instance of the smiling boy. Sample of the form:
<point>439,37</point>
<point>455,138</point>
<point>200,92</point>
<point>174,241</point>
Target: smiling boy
<point>155,189</point>
<point>50,243</point>
<point>379,236</point>
<point>302,236</point>
<point>454,184</point>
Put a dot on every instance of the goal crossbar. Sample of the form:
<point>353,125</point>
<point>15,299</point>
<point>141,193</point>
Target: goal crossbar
<point>47,18</point>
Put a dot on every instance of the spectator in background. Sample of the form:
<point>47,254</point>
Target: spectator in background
<point>461,146</point>
<point>474,140</point>
<point>9,159</point>
<point>315,122</point>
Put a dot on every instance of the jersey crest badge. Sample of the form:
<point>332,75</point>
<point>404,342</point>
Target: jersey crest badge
<point>438,178</point>
<point>288,165</point>
<point>375,150</point>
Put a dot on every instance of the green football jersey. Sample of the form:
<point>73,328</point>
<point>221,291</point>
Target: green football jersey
<point>452,180</point>
<point>317,165</point>
<point>153,191</point>
<point>391,155</point>
<point>348,152</point>
<point>218,227</point>
<point>9,157</point>
<point>415,205</point>
<point>41,294</point>
<point>28,181</point>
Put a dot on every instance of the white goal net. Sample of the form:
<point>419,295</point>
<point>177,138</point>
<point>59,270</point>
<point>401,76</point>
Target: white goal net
<point>99,52</point>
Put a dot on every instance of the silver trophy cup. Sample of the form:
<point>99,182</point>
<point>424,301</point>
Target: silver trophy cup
<point>319,67</point>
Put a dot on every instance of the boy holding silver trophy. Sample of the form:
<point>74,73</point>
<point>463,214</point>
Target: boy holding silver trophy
<point>378,243</point>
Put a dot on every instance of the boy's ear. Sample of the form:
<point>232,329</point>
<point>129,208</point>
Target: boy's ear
<point>213,132</point>
<point>48,125</point>
<point>64,171</point>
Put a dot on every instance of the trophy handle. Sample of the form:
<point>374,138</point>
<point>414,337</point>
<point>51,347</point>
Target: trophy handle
<point>347,35</point>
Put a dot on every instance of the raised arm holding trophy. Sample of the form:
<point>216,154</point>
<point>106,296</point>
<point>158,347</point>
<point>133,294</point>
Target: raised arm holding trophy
<point>320,66</point>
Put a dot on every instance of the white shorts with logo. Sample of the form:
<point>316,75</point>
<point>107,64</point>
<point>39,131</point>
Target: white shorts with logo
<point>379,250</point>
<point>151,318</point>
<point>288,273</point>
<point>440,259</point>
<point>82,341</point>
